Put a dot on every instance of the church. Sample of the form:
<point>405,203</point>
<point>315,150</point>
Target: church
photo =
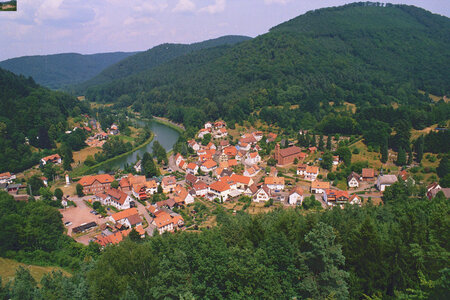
<point>286,156</point>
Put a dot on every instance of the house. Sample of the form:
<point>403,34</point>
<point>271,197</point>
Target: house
<point>311,173</point>
<point>221,133</point>
<point>111,239</point>
<point>242,182</point>
<point>208,166</point>
<point>301,169</point>
<point>319,187</point>
<point>296,196</point>
<point>200,188</point>
<point>194,145</point>
<point>240,155</point>
<point>384,181</point>
<point>286,156</point>
<point>368,174</point>
<point>219,189</point>
<point>251,190</point>
<point>183,164</point>
<point>252,171</point>
<point>335,160</point>
<point>54,159</point>
<point>211,146</point>
<point>244,146</point>
<point>114,130</point>
<point>124,185</point>
<point>202,133</point>
<point>94,184</point>
<point>129,218</point>
<point>262,195</point>
<point>353,180</point>
<point>404,175</point>
<point>258,135</point>
<point>219,124</point>
<point>138,166</point>
<point>190,179</point>
<point>168,184</point>
<point>335,197</point>
<point>271,137</point>
<point>181,196</point>
<point>7,177</point>
<point>178,159</point>
<point>252,158</point>
<point>230,151</point>
<point>114,197</point>
<point>312,150</point>
<point>168,203</point>
<point>224,143</point>
<point>355,200</point>
<point>192,168</point>
<point>163,222</point>
<point>274,183</point>
<point>208,125</point>
<point>433,193</point>
<point>248,139</point>
<point>432,187</point>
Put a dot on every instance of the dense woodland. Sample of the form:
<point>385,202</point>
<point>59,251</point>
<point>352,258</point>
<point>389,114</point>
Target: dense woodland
<point>152,58</point>
<point>32,119</point>
<point>395,251</point>
<point>382,57</point>
<point>58,70</point>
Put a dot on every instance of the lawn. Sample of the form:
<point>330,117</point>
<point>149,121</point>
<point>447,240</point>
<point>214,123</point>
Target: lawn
<point>80,156</point>
<point>8,268</point>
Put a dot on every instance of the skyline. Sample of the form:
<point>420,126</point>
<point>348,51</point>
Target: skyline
<point>43,27</point>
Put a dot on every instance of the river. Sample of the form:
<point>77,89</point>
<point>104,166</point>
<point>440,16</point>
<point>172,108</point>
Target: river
<point>164,134</point>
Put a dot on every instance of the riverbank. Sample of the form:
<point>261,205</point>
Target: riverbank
<point>178,127</point>
<point>87,170</point>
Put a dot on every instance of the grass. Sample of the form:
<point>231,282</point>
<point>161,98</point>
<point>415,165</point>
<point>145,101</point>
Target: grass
<point>8,269</point>
<point>80,156</point>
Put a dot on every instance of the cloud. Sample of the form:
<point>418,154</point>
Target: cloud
<point>277,1</point>
<point>184,6</point>
<point>61,13</point>
<point>218,6</point>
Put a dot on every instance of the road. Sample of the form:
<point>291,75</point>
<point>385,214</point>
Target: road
<point>172,164</point>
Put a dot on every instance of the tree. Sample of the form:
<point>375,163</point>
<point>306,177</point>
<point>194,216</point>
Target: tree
<point>327,161</point>
<point>149,168</point>
<point>444,167</point>
<point>134,235</point>
<point>115,184</point>
<point>311,203</point>
<point>329,143</point>
<point>321,261</point>
<point>58,193</point>
<point>401,157</point>
<point>384,152</point>
<point>419,148</point>
<point>206,139</point>
<point>345,154</point>
<point>34,184</point>
<point>24,286</point>
<point>321,143</point>
<point>313,141</point>
<point>410,156</point>
<point>79,189</point>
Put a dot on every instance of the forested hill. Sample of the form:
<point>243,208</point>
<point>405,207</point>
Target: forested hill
<point>360,53</point>
<point>58,70</point>
<point>27,113</point>
<point>154,57</point>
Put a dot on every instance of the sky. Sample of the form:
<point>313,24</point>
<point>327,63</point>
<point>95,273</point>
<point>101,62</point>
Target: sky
<point>42,27</point>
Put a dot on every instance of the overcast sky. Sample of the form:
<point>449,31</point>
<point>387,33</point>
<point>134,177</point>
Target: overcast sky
<point>94,26</point>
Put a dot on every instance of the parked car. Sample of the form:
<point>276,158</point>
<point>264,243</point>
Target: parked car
<point>68,223</point>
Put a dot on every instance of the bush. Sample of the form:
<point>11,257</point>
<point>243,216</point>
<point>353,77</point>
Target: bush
<point>331,176</point>
<point>355,151</point>
<point>269,203</point>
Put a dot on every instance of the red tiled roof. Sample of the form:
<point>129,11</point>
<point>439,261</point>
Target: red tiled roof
<point>312,169</point>
<point>191,166</point>
<point>52,157</point>
<point>274,180</point>
<point>219,186</point>
<point>290,151</point>
<point>124,214</point>
<point>169,180</point>
<point>240,178</point>
<point>102,178</point>
<point>368,173</point>
<point>230,151</point>
<point>320,185</point>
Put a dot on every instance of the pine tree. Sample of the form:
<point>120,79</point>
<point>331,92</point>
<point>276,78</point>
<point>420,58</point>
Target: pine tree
<point>149,168</point>
<point>321,143</point>
<point>313,142</point>
<point>410,156</point>
<point>329,143</point>
<point>384,152</point>
<point>419,148</point>
<point>401,157</point>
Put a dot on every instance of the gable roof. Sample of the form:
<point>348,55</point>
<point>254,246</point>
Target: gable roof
<point>219,186</point>
<point>353,175</point>
<point>90,179</point>
<point>118,195</point>
<point>209,164</point>
<point>240,178</point>
<point>366,172</point>
<point>297,190</point>
<point>290,151</point>
<point>191,166</point>
<point>312,169</point>
<point>320,184</point>
<point>169,180</point>
<point>124,214</point>
<point>230,150</point>
<point>163,219</point>
<point>190,178</point>
<point>274,180</point>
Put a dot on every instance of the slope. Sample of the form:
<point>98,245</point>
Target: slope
<point>154,57</point>
<point>360,53</point>
<point>58,70</point>
<point>27,113</point>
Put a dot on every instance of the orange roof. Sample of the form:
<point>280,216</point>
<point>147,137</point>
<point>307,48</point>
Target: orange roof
<point>312,169</point>
<point>209,164</point>
<point>114,238</point>
<point>163,219</point>
<point>205,157</point>
<point>274,180</point>
<point>219,186</point>
<point>241,178</point>
<point>124,182</point>
<point>368,172</point>
<point>176,219</point>
<point>102,178</point>
<point>5,175</point>
<point>232,162</point>
<point>182,162</point>
<point>140,229</point>
<point>320,184</point>
<point>297,190</point>
<point>230,151</point>
<point>191,166</point>
<point>218,170</point>
<point>136,179</point>
<point>253,154</point>
<point>51,157</point>
<point>124,214</point>
<point>223,130</point>
<point>169,180</point>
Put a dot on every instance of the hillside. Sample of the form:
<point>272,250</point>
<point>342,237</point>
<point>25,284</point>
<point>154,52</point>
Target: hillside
<point>30,116</point>
<point>154,57</point>
<point>58,70</point>
<point>362,54</point>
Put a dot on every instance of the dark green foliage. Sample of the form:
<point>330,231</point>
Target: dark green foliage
<point>329,143</point>
<point>159,152</point>
<point>444,167</point>
<point>437,142</point>
<point>34,184</point>
<point>58,193</point>
<point>115,184</point>
<point>79,189</point>
<point>401,157</point>
<point>114,146</point>
<point>27,112</point>
<point>384,152</point>
<point>149,168</point>
<point>419,147</point>
<point>311,203</point>
<point>345,155</point>
<point>24,286</point>
<point>327,161</point>
<point>59,70</point>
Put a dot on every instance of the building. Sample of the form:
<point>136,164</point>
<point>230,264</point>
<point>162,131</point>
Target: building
<point>368,174</point>
<point>94,184</point>
<point>54,159</point>
<point>262,194</point>
<point>7,177</point>
<point>353,180</point>
<point>355,200</point>
<point>182,196</point>
<point>296,196</point>
<point>200,188</point>
<point>168,184</point>
<point>384,181</point>
<point>242,182</point>
<point>220,189</point>
<point>335,197</point>
<point>252,158</point>
<point>274,183</point>
<point>311,173</point>
<point>128,218</point>
<point>286,156</point>
<point>319,187</point>
<point>192,168</point>
<point>252,171</point>
<point>208,166</point>
<point>115,198</point>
